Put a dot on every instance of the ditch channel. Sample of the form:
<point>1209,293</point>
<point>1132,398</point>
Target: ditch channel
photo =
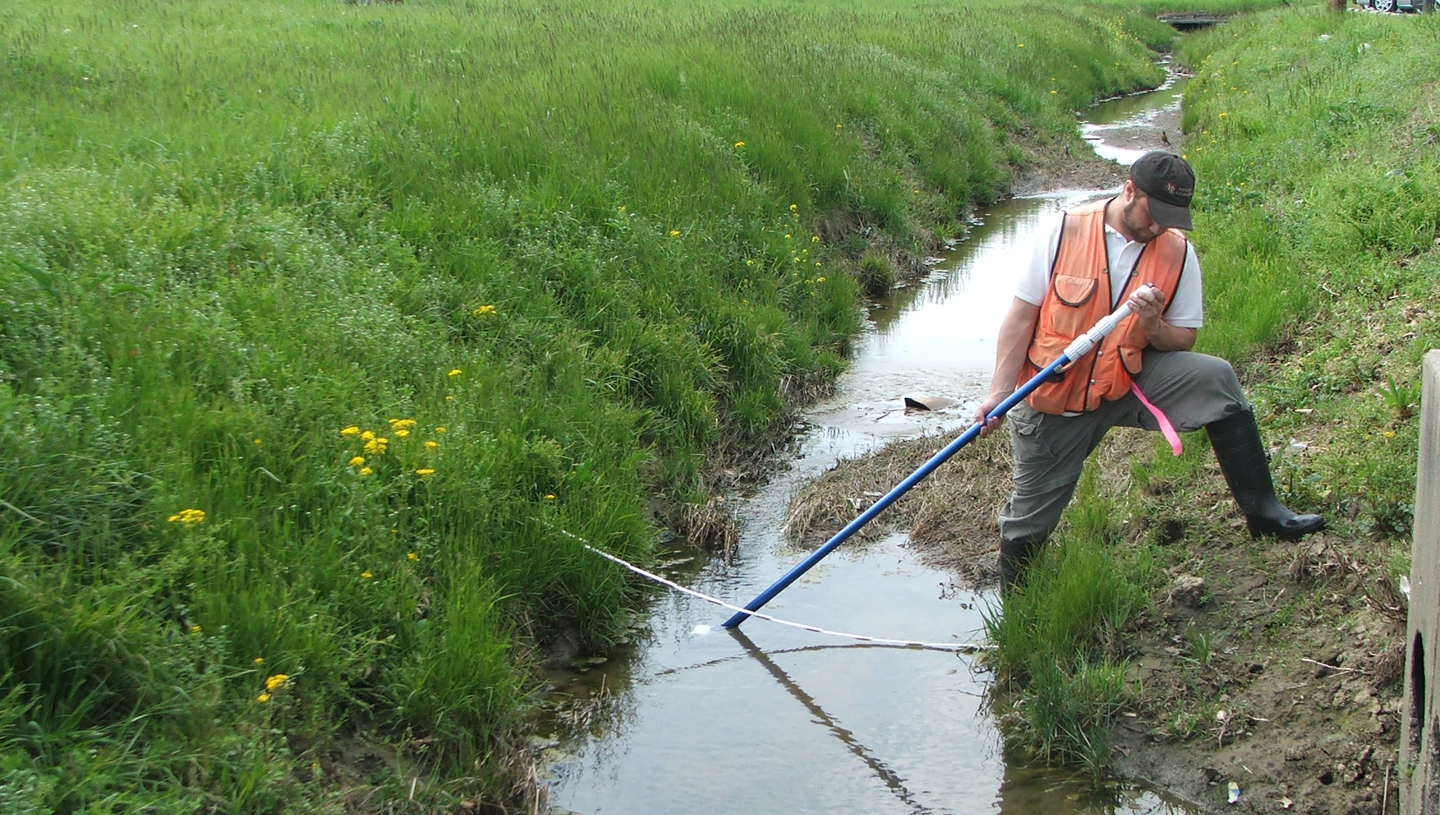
<point>694,718</point>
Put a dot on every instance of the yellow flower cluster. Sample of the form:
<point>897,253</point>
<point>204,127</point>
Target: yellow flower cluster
<point>425,472</point>
<point>272,683</point>
<point>484,311</point>
<point>188,517</point>
<point>380,445</point>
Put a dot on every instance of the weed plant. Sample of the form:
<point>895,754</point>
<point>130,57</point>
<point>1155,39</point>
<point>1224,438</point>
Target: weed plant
<point>1316,218</point>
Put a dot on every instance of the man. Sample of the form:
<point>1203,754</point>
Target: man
<point>1098,256</point>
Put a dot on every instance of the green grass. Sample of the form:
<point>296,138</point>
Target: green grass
<point>1318,180</point>
<point>579,246</point>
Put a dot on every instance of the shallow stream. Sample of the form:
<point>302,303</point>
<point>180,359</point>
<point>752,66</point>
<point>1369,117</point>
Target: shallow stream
<point>696,719</point>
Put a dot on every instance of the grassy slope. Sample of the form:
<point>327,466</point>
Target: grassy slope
<point>552,254</point>
<point>1313,138</point>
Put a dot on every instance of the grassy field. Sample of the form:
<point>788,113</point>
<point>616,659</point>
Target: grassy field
<point>1318,205</point>
<point>319,322</point>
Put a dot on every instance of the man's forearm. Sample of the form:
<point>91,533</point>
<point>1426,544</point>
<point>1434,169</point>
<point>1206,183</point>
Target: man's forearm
<point>1011,346</point>
<point>1166,337</point>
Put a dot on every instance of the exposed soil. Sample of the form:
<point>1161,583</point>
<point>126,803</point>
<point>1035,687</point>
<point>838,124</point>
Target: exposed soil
<point>1273,665</point>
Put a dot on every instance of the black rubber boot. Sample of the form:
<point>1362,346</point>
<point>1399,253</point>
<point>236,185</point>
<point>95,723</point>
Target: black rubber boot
<point>1014,556</point>
<point>1237,445</point>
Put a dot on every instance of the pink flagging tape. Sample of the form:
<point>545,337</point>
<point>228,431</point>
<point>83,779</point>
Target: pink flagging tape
<point>962,647</point>
<point>1167,429</point>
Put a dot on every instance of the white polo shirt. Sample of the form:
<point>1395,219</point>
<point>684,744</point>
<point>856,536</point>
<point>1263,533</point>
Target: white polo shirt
<point>1185,310</point>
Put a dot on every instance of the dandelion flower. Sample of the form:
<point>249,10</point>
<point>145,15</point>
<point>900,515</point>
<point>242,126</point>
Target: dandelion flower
<point>441,430</point>
<point>432,445</point>
<point>257,441</point>
<point>264,697</point>
<point>412,557</point>
<point>377,445</point>
<point>1389,434</point>
<point>276,681</point>
<point>366,574</point>
<point>366,471</point>
<point>195,629</point>
<point>739,145</point>
<point>188,517</point>
<point>674,233</point>
<point>352,430</point>
<point>259,660</point>
<point>402,433</point>
<point>816,238</point>
<point>367,435</point>
<point>549,497</point>
<point>358,461</point>
<point>819,280</point>
<point>487,310</point>
<point>794,208</point>
<point>425,472</point>
<point>454,372</point>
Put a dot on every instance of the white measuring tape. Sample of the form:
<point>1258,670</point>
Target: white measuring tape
<point>962,647</point>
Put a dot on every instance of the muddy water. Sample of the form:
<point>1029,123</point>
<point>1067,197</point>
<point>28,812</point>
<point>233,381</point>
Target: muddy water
<point>695,719</point>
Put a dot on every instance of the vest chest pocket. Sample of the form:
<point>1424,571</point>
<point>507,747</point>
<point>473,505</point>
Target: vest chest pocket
<point>1069,316</point>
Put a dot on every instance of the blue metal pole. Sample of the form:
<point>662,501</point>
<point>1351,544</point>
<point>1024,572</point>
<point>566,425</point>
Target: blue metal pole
<point>1077,349</point>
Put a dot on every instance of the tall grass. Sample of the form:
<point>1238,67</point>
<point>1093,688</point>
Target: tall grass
<point>1312,138</point>
<point>551,254</point>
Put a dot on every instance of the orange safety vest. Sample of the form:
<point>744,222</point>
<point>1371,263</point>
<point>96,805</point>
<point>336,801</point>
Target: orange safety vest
<point>1078,297</point>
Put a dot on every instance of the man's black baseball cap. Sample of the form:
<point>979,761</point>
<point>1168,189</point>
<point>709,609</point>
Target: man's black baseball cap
<point>1169,183</point>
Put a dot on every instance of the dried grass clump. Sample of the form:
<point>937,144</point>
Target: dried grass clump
<point>950,515</point>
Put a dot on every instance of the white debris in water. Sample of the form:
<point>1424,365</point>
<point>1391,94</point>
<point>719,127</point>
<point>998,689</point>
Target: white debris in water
<point>701,630</point>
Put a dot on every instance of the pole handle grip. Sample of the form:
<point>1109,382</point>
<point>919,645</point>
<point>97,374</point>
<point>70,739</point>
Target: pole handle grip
<point>1083,343</point>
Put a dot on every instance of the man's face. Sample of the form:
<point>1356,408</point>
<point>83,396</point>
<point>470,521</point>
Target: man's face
<point>1135,217</point>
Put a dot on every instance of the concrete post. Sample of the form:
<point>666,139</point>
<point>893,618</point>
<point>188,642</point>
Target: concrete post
<point>1419,780</point>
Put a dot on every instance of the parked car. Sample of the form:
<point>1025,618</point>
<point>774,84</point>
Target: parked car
<point>1425,6</point>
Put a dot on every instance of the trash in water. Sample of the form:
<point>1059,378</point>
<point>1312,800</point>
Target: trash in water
<point>702,630</point>
<point>921,401</point>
